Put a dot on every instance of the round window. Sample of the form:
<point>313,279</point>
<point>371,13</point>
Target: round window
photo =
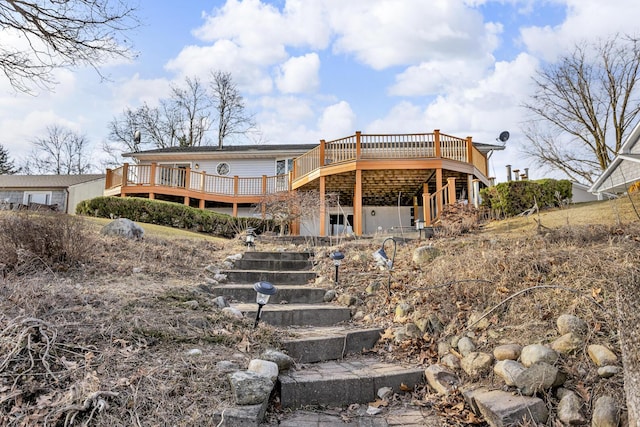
<point>223,169</point>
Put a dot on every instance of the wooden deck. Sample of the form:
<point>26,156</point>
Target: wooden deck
<point>365,170</point>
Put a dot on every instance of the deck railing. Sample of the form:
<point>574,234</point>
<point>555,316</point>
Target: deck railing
<point>156,177</point>
<point>397,146</point>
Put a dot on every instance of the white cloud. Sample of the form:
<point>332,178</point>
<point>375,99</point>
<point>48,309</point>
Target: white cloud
<point>299,74</point>
<point>336,121</point>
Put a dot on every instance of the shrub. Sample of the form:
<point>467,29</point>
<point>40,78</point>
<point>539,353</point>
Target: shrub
<point>35,241</point>
<point>171,215</point>
<point>514,197</point>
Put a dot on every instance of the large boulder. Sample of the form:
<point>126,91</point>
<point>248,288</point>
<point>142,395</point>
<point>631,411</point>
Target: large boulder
<point>123,227</point>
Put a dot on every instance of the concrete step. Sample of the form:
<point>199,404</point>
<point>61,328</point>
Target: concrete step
<point>275,277</point>
<point>297,314</point>
<point>292,294</point>
<point>311,345</point>
<point>273,264</point>
<point>340,383</point>
<point>277,255</point>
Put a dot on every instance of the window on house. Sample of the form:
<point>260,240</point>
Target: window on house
<point>284,166</point>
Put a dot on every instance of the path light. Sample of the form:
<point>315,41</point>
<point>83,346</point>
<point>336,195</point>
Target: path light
<point>264,290</point>
<point>383,260</point>
<point>250,238</point>
<point>420,227</point>
<point>337,258</point>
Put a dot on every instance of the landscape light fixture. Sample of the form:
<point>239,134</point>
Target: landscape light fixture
<point>383,260</point>
<point>250,238</point>
<point>264,290</point>
<point>420,227</point>
<point>337,258</point>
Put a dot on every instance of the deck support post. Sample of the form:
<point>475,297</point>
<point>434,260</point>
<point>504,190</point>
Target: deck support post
<point>426,205</point>
<point>235,210</point>
<point>357,204</point>
<point>323,226</point>
<point>439,200</point>
<point>451,188</point>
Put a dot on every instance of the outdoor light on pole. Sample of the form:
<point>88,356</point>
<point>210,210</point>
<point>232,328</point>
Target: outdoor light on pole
<point>383,260</point>
<point>337,258</point>
<point>264,290</point>
<point>420,227</point>
<point>250,238</point>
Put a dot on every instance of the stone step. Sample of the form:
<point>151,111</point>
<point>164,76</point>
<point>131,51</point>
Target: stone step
<point>273,264</point>
<point>340,383</point>
<point>297,314</point>
<point>274,277</point>
<point>311,345</point>
<point>291,256</point>
<point>292,294</point>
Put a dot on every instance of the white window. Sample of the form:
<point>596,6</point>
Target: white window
<point>41,197</point>
<point>284,166</point>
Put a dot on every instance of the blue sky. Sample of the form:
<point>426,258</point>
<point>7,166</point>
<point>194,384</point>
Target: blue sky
<point>323,69</point>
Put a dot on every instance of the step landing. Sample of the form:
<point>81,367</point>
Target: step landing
<point>312,345</point>
<point>297,314</point>
<point>292,294</point>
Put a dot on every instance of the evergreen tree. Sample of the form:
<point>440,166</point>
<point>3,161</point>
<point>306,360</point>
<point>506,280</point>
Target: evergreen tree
<point>6,165</point>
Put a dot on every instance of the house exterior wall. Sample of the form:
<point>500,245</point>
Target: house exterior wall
<point>84,191</point>
<point>385,217</point>
<point>239,167</point>
<point>580,194</point>
<point>626,172</point>
<point>19,196</point>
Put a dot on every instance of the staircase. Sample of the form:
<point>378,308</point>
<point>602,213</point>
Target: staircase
<point>331,370</point>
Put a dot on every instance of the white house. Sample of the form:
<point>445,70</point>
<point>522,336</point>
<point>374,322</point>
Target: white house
<point>624,170</point>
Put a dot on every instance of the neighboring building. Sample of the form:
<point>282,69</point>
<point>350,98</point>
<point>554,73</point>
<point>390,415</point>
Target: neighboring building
<point>61,192</point>
<point>623,171</point>
<point>381,181</point>
<point>580,193</point>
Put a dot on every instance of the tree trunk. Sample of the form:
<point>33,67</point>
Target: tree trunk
<point>628,302</point>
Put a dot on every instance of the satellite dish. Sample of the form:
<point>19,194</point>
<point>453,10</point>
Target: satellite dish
<point>136,137</point>
<point>504,136</point>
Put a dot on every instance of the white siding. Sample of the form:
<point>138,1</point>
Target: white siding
<point>239,167</point>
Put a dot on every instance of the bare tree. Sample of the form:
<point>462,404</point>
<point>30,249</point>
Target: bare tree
<point>286,207</point>
<point>229,104</point>
<point>193,112</point>
<point>61,152</point>
<point>583,107</point>
<point>60,34</point>
<point>7,166</point>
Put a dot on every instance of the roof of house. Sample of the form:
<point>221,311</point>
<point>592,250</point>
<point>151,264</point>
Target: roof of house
<point>46,181</point>
<point>624,154</point>
<point>209,149</point>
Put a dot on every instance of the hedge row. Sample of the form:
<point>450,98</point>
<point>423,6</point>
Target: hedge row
<point>514,197</point>
<point>171,215</point>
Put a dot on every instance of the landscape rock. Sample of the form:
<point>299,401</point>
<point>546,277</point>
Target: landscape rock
<point>608,371</point>
<point>213,269</point>
<point>451,361</point>
<point>231,311</point>
<point>412,331</point>
<point>507,352</point>
<point>508,370</point>
<point>194,352</point>
<point>211,281</point>
<point>568,343</point>
<point>502,409</point>
<point>265,368</point>
<point>425,254</point>
<point>430,323</point>
<point>123,227</point>
<point>221,302</point>
<point>226,366</point>
<point>570,409</point>
<point>284,361</point>
<point>372,288</point>
<point>220,278</point>
<point>329,296</point>
<point>476,363</point>
<point>568,323</point>
<point>192,304</point>
<point>466,346</point>
<point>346,300</point>
<point>476,321</point>
<point>444,347</point>
<point>385,392</point>
<point>536,378</point>
<point>601,355</point>
<point>605,412</point>
<point>402,310</point>
<point>250,388</point>
<point>535,353</point>
<point>441,380</point>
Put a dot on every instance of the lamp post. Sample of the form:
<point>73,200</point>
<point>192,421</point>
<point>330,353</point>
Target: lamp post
<point>264,290</point>
<point>383,260</point>
<point>250,238</point>
<point>337,258</point>
<point>420,227</point>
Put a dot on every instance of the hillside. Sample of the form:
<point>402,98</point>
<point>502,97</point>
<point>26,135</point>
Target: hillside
<point>106,335</point>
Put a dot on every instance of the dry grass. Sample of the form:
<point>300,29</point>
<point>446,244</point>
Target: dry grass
<point>105,341</point>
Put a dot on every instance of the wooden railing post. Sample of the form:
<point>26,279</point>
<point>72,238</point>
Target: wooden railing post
<point>264,185</point>
<point>152,178</point>
<point>358,144</point>
<point>426,206</point>
<point>187,178</point>
<point>202,180</point>
<point>107,179</point>
<point>321,152</point>
<point>451,188</point>
<point>436,142</point>
<point>236,185</point>
<point>125,174</point>
<point>469,150</point>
